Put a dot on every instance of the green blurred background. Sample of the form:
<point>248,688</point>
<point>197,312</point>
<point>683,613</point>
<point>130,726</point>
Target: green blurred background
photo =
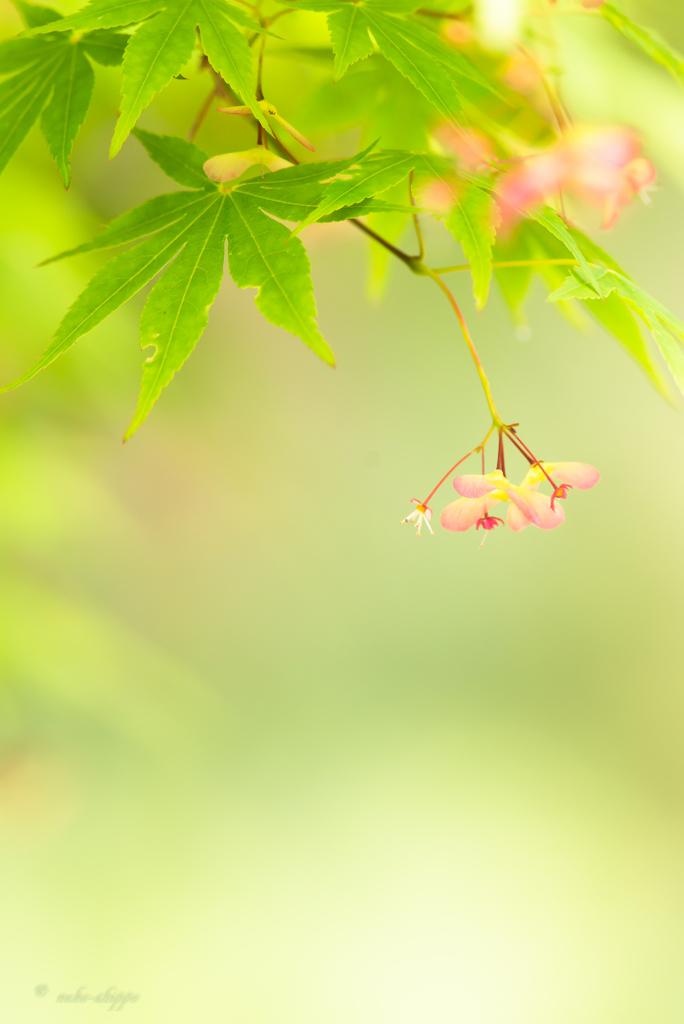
<point>267,758</point>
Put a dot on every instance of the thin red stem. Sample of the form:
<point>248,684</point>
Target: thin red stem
<point>480,447</point>
<point>498,422</point>
<point>203,111</point>
<point>521,449</point>
<point>531,458</point>
<point>501,459</point>
<point>290,157</point>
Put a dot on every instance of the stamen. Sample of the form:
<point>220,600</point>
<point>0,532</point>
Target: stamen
<point>560,492</point>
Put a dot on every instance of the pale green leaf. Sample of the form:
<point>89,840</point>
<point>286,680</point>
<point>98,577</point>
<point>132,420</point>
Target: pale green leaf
<point>259,257</point>
<point>295,192</point>
<point>36,14</point>
<point>114,284</point>
<point>670,349</point>
<point>647,41</point>
<point>242,17</point>
<point>24,52</point>
<point>430,45</point>
<point>381,262</point>
<point>514,282</point>
<point>103,14</point>
<point>177,309</point>
<point>470,222</point>
<point>66,111</point>
<point>366,207</point>
<point>615,316</point>
<point>228,53</point>
<point>107,48</point>
<point>629,290</point>
<point>162,45</point>
<point>659,319</point>
<point>428,76</point>
<point>362,179</point>
<point>22,99</point>
<point>183,161</point>
<point>553,223</point>
<point>348,29</point>
<point>144,220</point>
<point>593,252</point>
<point>575,286</point>
<point>157,52</point>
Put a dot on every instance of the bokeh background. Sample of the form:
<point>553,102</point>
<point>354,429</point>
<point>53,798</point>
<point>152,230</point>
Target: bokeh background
<point>267,758</point>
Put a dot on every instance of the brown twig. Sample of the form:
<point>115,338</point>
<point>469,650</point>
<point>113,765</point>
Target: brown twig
<point>446,15</point>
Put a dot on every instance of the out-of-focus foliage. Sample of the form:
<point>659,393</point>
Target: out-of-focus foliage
<point>482,131</point>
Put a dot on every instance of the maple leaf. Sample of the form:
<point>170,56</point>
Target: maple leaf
<point>647,41</point>
<point>164,42</point>
<point>443,75</point>
<point>470,221</point>
<point>667,330</point>
<point>50,75</point>
<point>534,242</point>
<point>182,236</point>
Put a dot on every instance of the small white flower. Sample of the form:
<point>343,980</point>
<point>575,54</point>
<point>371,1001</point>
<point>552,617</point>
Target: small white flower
<point>421,514</point>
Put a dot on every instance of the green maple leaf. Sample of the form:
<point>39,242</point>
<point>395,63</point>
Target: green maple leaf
<point>351,39</point>
<point>49,75</point>
<point>470,221</point>
<point>177,309</point>
<point>262,255</point>
<point>365,177</point>
<point>183,235</point>
<point>442,74</point>
<point>297,193</point>
<point>647,41</point>
<point>164,42</point>
<point>106,48</point>
<point>667,329</point>
<point>66,111</point>
<point>532,241</point>
<point>557,226</point>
